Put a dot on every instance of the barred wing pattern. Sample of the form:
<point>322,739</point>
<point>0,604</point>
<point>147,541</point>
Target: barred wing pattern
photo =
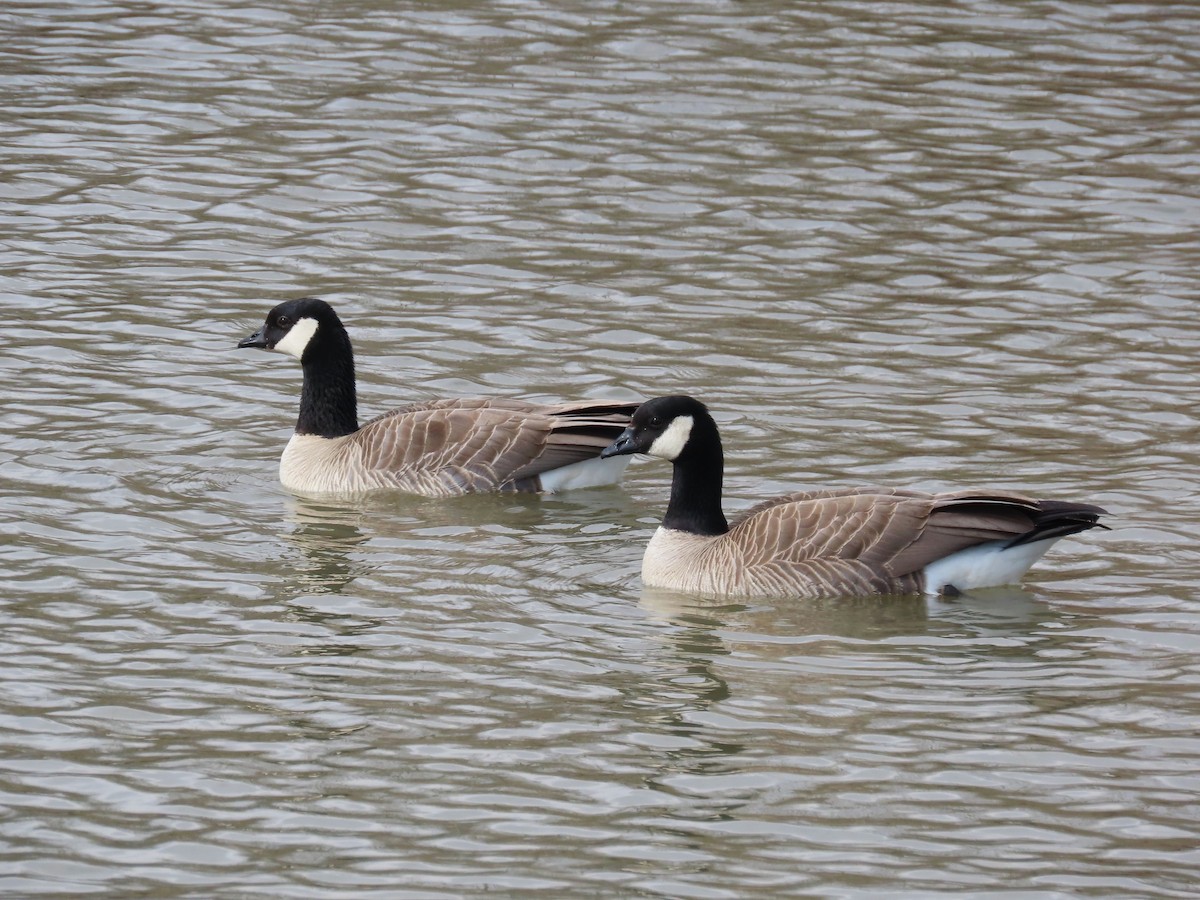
<point>826,543</point>
<point>450,447</point>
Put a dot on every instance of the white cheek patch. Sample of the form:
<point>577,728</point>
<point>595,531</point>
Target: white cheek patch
<point>671,442</point>
<point>297,338</point>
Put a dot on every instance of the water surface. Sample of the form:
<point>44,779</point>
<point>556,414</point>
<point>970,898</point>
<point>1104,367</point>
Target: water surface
<point>908,243</point>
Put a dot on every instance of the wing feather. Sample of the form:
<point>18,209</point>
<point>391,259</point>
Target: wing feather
<point>867,539</point>
<point>460,445</point>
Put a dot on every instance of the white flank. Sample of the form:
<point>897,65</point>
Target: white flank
<point>671,442</point>
<point>297,338</point>
<point>984,565</point>
<point>589,473</point>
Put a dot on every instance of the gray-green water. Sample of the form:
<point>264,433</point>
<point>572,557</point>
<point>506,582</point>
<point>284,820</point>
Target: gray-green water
<point>906,243</point>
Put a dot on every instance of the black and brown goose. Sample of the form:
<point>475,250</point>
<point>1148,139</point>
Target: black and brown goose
<point>827,543</point>
<point>440,448</point>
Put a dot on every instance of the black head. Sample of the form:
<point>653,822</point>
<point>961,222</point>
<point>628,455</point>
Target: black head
<point>664,427</point>
<point>292,325</point>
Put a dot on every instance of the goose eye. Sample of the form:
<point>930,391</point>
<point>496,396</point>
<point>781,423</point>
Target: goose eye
<point>283,321</point>
<point>655,422</point>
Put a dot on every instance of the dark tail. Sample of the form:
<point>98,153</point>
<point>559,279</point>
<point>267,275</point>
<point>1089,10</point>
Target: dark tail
<point>1055,518</point>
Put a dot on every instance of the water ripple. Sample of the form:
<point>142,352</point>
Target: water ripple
<point>928,244</point>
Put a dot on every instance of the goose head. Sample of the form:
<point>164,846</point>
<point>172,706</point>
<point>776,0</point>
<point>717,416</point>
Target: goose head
<point>666,427</point>
<point>292,327</point>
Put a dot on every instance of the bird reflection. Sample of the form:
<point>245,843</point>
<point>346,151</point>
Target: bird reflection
<point>854,617</point>
<point>685,685</point>
<point>326,537</point>
<point>682,699</point>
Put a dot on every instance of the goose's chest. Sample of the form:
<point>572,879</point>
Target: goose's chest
<point>312,464</point>
<point>682,561</point>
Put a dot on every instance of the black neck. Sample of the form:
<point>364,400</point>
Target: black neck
<point>695,504</point>
<point>328,402</point>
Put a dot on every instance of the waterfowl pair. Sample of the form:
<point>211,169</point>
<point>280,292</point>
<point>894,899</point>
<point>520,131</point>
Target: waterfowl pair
<point>850,541</point>
<point>806,544</point>
<point>441,448</point>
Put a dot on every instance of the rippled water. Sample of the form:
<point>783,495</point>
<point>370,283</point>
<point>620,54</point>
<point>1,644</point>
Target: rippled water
<point>907,243</point>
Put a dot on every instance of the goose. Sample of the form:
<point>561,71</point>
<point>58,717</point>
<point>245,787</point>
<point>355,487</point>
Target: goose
<point>439,448</point>
<point>829,543</point>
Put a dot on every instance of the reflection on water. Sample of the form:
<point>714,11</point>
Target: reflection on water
<point>940,245</point>
<point>852,617</point>
<point>326,537</point>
